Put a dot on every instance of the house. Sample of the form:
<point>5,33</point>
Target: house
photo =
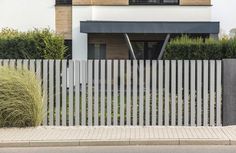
<point>130,29</point>
<point>119,29</point>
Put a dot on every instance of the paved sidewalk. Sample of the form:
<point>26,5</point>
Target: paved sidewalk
<point>95,136</point>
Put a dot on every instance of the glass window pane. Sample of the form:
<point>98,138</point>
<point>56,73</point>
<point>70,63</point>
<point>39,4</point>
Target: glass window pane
<point>171,1</point>
<point>69,2</point>
<point>147,49</point>
<point>97,51</point>
<point>102,51</point>
<point>155,2</point>
<point>138,48</point>
<point>91,49</point>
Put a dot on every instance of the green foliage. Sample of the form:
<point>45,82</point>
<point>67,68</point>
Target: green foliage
<point>36,44</point>
<point>20,98</point>
<point>198,48</point>
<point>229,46</point>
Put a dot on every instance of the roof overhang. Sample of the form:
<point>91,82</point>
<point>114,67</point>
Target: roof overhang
<point>148,27</point>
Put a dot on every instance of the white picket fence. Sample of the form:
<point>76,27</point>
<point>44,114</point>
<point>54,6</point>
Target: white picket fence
<point>125,92</point>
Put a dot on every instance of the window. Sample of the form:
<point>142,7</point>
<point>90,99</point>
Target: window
<point>97,51</point>
<point>68,44</point>
<point>147,49</point>
<point>154,2</point>
<point>63,2</point>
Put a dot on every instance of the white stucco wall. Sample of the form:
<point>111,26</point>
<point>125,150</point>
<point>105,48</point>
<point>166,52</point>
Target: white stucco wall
<point>225,12</point>
<point>152,13</point>
<point>80,40</point>
<point>130,13</point>
<point>27,14</point>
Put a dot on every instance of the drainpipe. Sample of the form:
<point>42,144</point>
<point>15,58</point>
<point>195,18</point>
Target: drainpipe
<point>164,46</point>
<point>130,45</point>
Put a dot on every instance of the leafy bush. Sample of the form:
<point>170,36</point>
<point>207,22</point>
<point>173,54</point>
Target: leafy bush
<point>229,48</point>
<point>20,98</point>
<point>198,48</point>
<point>36,44</point>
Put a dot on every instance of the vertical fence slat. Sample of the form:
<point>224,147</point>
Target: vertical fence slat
<point>122,92</point>
<point>32,65</point>
<point>173,93</point>
<point>96,90</point>
<point>141,96</point>
<point>84,96</point>
<point>160,93</point>
<point>71,92</point>
<point>103,71</point>
<point>180,100</point>
<point>212,92</point>
<point>45,91</point>
<point>18,64</point>
<point>25,63</point>
<point>6,62</point>
<point>77,92</point>
<point>186,93</point>
<point>167,97</point>
<point>115,93</point>
<point>199,93</point>
<point>205,92</point>
<point>12,63</point>
<point>147,93</point>
<point>109,91</point>
<point>64,92</point>
<point>38,69</point>
<point>154,87</point>
<point>218,93</point>
<point>90,93</point>
<point>57,92</point>
<point>193,92</point>
<point>128,92</point>
<point>51,92</point>
<point>135,94</point>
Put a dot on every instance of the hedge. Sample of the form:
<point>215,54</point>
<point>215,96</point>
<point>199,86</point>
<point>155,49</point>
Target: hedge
<point>185,47</point>
<point>36,44</point>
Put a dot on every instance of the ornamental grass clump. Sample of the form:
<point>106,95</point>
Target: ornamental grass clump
<point>20,98</point>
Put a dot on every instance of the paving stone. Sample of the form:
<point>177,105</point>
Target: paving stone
<point>116,135</point>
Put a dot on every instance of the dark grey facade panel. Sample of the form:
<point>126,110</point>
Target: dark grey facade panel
<point>148,27</point>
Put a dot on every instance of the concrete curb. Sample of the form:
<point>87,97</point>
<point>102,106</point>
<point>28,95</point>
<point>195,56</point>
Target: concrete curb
<point>155,142</point>
<point>204,142</point>
<point>61,143</point>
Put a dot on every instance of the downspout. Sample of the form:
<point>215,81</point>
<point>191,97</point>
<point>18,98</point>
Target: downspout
<point>164,46</point>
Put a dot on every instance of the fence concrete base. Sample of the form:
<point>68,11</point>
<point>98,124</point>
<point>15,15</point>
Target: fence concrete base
<point>229,92</point>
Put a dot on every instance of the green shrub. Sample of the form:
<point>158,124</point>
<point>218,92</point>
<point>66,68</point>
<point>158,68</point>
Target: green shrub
<point>229,48</point>
<point>20,98</point>
<point>198,48</point>
<point>36,44</point>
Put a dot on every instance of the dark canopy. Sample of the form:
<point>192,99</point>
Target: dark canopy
<point>148,27</point>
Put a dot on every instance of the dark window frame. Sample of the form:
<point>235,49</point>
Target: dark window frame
<point>157,2</point>
<point>63,2</point>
